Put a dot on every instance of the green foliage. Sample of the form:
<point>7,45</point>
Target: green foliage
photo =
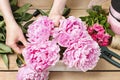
<point>97,15</point>
<point>19,61</point>
<point>5,49</point>
<point>66,11</point>
<point>5,59</point>
<point>21,16</point>
<point>23,9</point>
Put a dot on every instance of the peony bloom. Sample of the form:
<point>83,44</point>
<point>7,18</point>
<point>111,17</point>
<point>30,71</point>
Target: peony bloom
<point>98,34</point>
<point>40,30</point>
<point>69,30</point>
<point>83,54</point>
<point>40,56</point>
<point>26,73</point>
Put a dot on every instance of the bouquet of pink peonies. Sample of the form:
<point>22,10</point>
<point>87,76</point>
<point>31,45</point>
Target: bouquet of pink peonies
<point>42,52</point>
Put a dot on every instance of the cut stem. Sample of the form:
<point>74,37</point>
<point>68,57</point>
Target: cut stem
<point>20,58</point>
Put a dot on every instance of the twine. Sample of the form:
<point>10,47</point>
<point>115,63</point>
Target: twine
<point>115,42</point>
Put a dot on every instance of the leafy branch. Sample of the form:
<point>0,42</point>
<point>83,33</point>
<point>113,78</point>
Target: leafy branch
<point>97,15</point>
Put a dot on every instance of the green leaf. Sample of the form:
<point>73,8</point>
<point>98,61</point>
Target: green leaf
<point>19,62</point>
<point>92,13</point>
<point>17,17</point>
<point>13,2</point>
<point>2,23</point>
<point>25,27</point>
<point>5,59</point>
<point>66,11</point>
<point>102,22</point>
<point>107,25</point>
<point>5,49</point>
<point>83,18</point>
<point>27,24</point>
<point>109,31</point>
<point>43,13</point>
<point>97,8</point>
<point>23,9</point>
<point>26,17</point>
<point>2,37</point>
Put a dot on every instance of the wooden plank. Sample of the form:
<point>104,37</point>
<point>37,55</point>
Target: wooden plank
<point>70,75</point>
<point>84,76</point>
<point>8,75</point>
<point>12,64</point>
<point>73,4</point>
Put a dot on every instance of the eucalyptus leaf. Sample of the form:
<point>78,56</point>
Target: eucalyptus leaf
<point>5,49</point>
<point>23,9</point>
<point>5,59</point>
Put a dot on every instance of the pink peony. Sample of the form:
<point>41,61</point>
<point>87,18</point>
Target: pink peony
<point>69,30</point>
<point>26,73</point>
<point>83,54</point>
<point>40,30</point>
<point>40,56</point>
<point>98,34</point>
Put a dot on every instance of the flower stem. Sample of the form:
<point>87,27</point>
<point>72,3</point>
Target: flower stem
<point>20,58</point>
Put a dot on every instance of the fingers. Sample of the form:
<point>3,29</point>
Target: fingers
<point>14,47</point>
<point>17,48</point>
<point>24,42</point>
<point>56,19</point>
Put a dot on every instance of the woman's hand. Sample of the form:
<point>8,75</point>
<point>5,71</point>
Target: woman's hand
<point>14,34</point>
<point>57,10</point>
<point>56,18</point>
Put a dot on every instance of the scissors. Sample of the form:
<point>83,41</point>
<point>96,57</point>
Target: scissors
<point>107,55</point>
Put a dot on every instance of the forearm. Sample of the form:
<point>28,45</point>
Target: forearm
<point>6,12</point>
<point>58,6</point>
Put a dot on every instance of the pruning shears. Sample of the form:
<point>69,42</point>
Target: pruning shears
<point>107,55</point>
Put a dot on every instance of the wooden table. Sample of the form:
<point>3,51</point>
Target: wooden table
<point>103,70</point>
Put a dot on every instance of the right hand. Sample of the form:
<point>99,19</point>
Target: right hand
<point>14,34</point>
<point>56,18</point>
